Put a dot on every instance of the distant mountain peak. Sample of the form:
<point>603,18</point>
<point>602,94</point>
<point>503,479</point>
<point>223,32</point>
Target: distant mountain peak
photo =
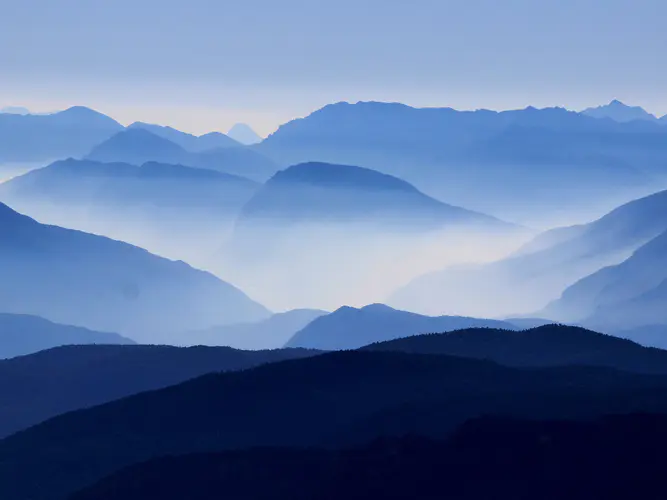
<point>15,110</point>
<point>620,112</point>
<point>243,133</point>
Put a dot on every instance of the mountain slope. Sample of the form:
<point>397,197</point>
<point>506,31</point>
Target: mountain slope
<point>270,333</point>
<point>22,334</point>
<point>619,112</point>
<point>487,458</point>
<point>625,296</point>
<point>339,398</point>
<point>175,211</point>
<point>242,133</point>
<point>549,345</point>
<point>40,386</point>
<point>189,142</point>
<point>538,273</point>
<point>359,231</point>
<point>139,145</point>
<point>80,279</point>
<point>350,328</point>
<point>73,132</point>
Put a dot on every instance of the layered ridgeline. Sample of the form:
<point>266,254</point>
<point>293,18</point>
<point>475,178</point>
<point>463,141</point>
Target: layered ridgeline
<point>337,398</point>
<point>40,386</point>
<point>519,165</point>
<point>21,334</point>
<point>620,112</point>
<point>138,145</point>
<point>80,279</point>
<point>73,132</point>
<point>350,328</point>
<point>486,458</point>
<point>540,271</point>
<point>626,296</point>
<point>270,333</point>
<point>175,211</point>
<point>189,142</point>
<point>351,228</point>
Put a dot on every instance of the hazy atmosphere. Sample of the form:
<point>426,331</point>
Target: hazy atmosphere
<point>333,250</point>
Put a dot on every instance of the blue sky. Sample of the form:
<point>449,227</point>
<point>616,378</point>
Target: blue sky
<point>203,65</point>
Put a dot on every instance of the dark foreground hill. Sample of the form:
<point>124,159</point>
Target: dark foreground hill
<point>548,345</point>
<point>617,457</point>
<point>37,387</point>
<point>21,334</point>
<point>333,399</point>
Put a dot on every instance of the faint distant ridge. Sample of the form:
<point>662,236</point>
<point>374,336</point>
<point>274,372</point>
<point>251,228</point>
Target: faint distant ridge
<point>244,134</point>
<point>189,142</point>
<point>620,112</point>
<point>15,110</point>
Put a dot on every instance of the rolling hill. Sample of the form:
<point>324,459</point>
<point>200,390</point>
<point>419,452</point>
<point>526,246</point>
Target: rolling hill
<point>48,383</point>
<point>341,399</point>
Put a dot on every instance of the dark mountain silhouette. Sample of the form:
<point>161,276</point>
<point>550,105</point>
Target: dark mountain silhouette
<point>648,335</point>
<point>619,112</point>
<point>21,334</point>
<point>624,296</point>
<point>175,211</point>
<point>616,457</point>
<point>73,132</point>
<point>342,398</point>
<point>350,328</point>
<point>549,345</point>
<point>493,162</point>
<point>138,145</point>
<point>242,133</point>
<point>189,142</point>
<point>80,279</point>
<point>537,274</point>
<point>270,333</point>
<point>40,386</point>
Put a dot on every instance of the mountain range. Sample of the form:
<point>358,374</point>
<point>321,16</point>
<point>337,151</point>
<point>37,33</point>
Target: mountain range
<point>140,144</point>
<point>85,280</point>
<point>620,112</point>
<point>22,334</point>
<point>539,272</point>
<point>189,142</point>
<point>73,132</point>
<point>351,328</point>
<point>175,211</point>
<point>537,156</point>
<point>51,382</point>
